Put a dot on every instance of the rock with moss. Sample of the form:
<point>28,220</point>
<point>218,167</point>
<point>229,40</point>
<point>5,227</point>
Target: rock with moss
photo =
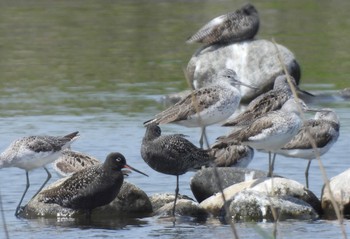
<point>250,205</point>
<point>278,189</point>
<point>131,202</point>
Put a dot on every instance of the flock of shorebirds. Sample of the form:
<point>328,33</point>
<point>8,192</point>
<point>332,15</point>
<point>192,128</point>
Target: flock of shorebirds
<point>272,123</point>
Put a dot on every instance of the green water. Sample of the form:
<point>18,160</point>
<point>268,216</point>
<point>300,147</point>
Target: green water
<point>94,56</point>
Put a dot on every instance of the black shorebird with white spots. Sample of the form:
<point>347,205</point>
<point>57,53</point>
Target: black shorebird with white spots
<point>91,187</point>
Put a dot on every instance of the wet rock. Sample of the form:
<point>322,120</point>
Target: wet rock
<point>341,193</point>
<point>255,62</point>
<point>184,208</point>
<point>204,183</point>
<point>158,200</point>
<point>345,93</point>
<point>275,187</point>
<point>131,201</point>
<point>250,205</point>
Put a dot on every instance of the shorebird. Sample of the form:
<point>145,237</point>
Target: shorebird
<point>91,187</point>
<point>269,101</point>
<point>323,129</point>
<point>172,154</point>
<point>70,162</point>
<point>204,106</point>
<point>231,155</point>
<point>240,25</point>
<point>33,152</point>
<point>271,131</point>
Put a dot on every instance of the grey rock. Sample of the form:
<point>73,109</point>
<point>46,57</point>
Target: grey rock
<point>131,201</point>
<point>341,193</point>
<point>345,93</point>
<point>184,208</point>
<point>158,200</point>
<point>255,62</point>
<point>250,205</point>
<point>277,187</point>
<point>204,183</point>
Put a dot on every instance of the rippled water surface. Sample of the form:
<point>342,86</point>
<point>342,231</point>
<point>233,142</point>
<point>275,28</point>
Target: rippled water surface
<point>101,67</point>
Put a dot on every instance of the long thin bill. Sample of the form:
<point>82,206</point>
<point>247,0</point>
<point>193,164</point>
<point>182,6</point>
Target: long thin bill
<point>304,92</point>
<point>129,167</point>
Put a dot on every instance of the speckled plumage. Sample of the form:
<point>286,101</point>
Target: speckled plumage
<point>240,25</point>
<point>33,152</point>
<point>204,106</point>
<point>270,131</point>
<point>231,155</point>
<point>171,154</point>
<point>324,129</point>
<point>72,161</point>
<point>91,187</point>
<point>269,101</point>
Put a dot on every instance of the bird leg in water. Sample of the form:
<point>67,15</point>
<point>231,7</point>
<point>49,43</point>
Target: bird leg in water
<point>24,193</point>
<point>307,173</point>
<point>176,194</point>
<point>203,137</point>
<point>47,179</point>
<point>271,164</point>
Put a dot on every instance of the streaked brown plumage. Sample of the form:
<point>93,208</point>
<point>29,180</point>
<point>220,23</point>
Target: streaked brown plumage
<point>240,25</point>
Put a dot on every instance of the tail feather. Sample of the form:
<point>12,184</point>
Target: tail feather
<point>72,135</point>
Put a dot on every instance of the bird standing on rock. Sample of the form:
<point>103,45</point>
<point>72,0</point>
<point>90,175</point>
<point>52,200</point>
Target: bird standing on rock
<point>204,106</point>
<point>240,25</point>
<point>33,152</point>
<point>172,154</point>
<point>91,187</point>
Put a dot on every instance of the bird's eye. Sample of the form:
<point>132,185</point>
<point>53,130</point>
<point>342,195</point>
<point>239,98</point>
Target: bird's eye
<point>118,159</point>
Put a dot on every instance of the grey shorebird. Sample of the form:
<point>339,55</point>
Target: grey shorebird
<point>269,101</point>
<point>204,106</point>
<point>271,131</point>
<point>323,129</point>
<point>240,25</point>
<point>70,162</point>
<point>91,187</point>
<point>172,154</point>
<point>33,152</point>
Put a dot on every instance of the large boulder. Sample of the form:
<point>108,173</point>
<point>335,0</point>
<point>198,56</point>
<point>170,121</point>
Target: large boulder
<point>131,201</point>
<point>250,205</point>
<point>256,63</point>
<point>256,195</point>
<point>204,183</point>
<point>341,195</point>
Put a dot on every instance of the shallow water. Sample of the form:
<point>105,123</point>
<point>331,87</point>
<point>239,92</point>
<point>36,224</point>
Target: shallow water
<point>101,67</point>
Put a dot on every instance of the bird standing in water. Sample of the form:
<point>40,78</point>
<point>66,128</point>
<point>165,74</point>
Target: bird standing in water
<point>90,187</point>
<point>172,154</point>
<point>33,152</point>
<point>204,106</point>
<point>323,129</point>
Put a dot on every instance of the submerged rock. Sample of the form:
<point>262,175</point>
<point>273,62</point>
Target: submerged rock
<point>255,62</point>
<point>131,201</point>
<point>341,194</point>
<point>257,191</point>
<point>204,183</point>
